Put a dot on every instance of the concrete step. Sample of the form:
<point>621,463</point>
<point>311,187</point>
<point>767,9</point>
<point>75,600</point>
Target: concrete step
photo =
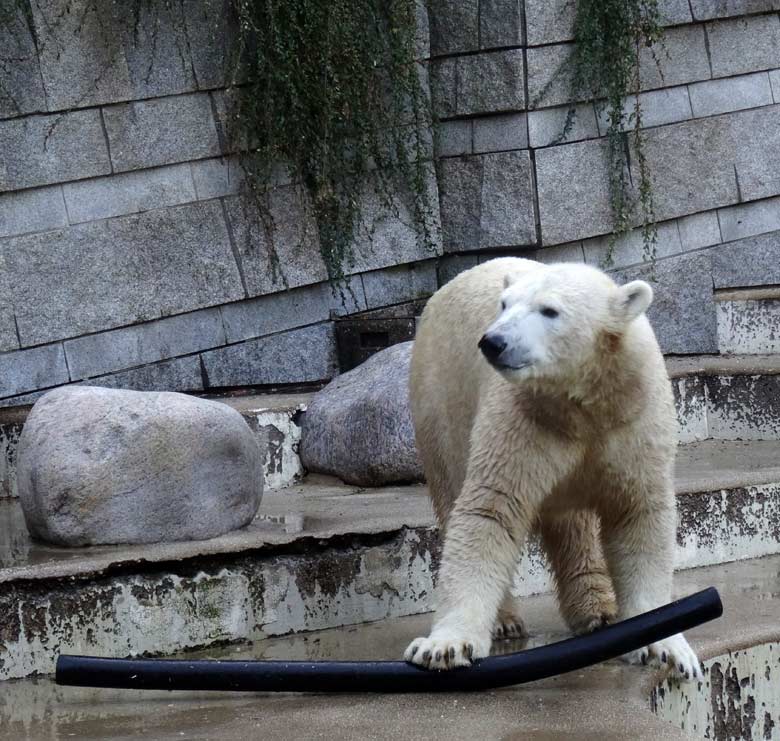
<point>273,418</point>
<point>748,320</point>
<point>606,701</point>
<point>319,555</point>
<point>727,397</point>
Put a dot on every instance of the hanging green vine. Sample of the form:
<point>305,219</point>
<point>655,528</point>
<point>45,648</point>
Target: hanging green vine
<point>331,91</point>
<point>609,38</point>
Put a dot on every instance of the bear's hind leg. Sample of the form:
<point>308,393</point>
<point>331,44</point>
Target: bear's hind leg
<point>572,544</point>
<point>509,621</point>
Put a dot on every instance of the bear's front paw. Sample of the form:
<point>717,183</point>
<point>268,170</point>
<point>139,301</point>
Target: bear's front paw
<point>673,652</point>
<point>446,650</point>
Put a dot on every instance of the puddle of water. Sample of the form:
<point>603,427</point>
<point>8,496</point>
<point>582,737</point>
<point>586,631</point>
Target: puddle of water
<point>739,697</point>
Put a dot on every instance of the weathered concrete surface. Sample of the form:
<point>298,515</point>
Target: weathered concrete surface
<point>359,427</point>
<point>113,466</point>
<point>610,701</point>
<point>749,325</point>
<point>319,555</point>
<point>738,697</point>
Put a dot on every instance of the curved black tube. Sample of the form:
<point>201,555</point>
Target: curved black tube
<point>393,676</point>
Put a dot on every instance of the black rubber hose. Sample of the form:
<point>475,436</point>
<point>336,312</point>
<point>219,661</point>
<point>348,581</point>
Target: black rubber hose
<point>393,676</point>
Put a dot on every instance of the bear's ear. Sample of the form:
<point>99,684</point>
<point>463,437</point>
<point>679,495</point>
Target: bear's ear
<point>633,299</point>
<point>509,280</point>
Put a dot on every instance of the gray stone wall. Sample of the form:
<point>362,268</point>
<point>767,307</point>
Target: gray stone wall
<point>712,125</point>
<point>128,255</point>
<point>130,258</point>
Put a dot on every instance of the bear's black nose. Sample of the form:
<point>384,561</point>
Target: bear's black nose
<point>492,345</point>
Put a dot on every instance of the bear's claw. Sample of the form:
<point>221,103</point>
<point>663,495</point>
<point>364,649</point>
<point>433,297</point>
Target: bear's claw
<point>444,651</point>
<point>673,652</point>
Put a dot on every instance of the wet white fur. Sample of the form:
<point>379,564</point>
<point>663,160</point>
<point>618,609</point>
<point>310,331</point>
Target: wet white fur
<point>578,446</point>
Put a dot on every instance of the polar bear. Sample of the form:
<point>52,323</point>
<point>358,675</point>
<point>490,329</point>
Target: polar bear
<point>541,403</point>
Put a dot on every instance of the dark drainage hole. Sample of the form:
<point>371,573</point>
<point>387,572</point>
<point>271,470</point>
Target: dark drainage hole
<point>374,339</point>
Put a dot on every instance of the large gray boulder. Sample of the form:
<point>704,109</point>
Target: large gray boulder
<point>359,427</point>
<point>100,465</point>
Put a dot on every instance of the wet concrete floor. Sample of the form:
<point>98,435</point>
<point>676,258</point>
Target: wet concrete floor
<point>606,702</point>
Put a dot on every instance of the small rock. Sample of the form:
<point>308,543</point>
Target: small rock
<point>359,427</point>
<point>100,465</point>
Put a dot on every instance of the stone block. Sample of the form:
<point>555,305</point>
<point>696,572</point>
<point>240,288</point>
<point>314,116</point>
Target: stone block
<point>160,132</point>
<point>278,312</point>
<point>507,213</point>
<point>39,150</point>
<point>214,178</point>
<point>551,21</point>
<point>101,465</point>
<point>630,249</point>
<point>681,59</point>
<point>81,46</point>
<point>212,28</point>
<point>299,356</point>
<point>756,166</point>
<point>744,45</point>
<point>104,352</point>
<point>399,284</point>
<point>158,48</point>
<point>168,261</point>
<point>704,10</point>
<point>748,219</point>
<point>444,79</point>
<point>21,87</point>
<point>690,400</point>
<point>683,311</point>
<point>571,252</point>
<point>179,374</point>
<point>754,261</point>
<point>500,133</point>
<point>460,195</point>
<point>657,107</point>
<point>454,26</point>
<point>129,193</point>
<point>546,126</point>
<point>692,164</point>
<point>774,78</point>
<point>359,427</point>
<point>8,339</point>
<point>453,138</point>
<point>699,230</point>
<point>34,210</point>
<point>36,368</point>
<point>572,181</point>
<point>490,82</point>
<point>731,94</point>
<point>278,255</point>
<point>486,201</point>
<point>549,76</point>
<point>451,265</point>
<point>500,23</point>
<point>388,237</point>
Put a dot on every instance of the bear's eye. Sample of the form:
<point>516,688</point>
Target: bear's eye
<point>549,312</point>
<point>503,306</point>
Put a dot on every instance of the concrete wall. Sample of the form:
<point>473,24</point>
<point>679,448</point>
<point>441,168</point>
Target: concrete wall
<point>128,256</point>
<point>712,127</point>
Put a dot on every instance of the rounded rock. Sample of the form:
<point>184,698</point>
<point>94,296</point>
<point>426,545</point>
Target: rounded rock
<point>359,427</point>
<point>99,466</point>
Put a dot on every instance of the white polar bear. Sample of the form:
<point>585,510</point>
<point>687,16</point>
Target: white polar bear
<point>563,424</point>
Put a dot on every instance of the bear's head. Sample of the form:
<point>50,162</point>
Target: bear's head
<point>555,321</point>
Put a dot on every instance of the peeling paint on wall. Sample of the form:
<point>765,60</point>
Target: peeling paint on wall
<point>737,699</point>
